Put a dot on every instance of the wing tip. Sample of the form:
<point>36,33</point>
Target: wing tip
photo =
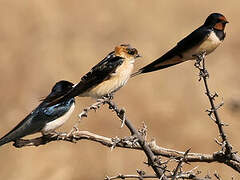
<point>140,71</point>
<point>4,140</point>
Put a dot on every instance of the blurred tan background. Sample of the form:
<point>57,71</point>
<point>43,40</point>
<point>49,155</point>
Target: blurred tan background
<point>42,42</point>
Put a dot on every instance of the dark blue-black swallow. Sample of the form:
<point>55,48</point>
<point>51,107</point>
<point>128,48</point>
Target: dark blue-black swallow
<point>45,119</point>
<point>204,39</point>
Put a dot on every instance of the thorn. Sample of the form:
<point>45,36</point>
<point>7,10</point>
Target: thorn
<point>115,141</point>
<point>123,114</point>
<point>83,114</point>
<point>185,154</point>
<point>218,142</point>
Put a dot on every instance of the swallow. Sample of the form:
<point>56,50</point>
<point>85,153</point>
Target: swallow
<point>44,119</point>
<point>107,77</point>
<point>204,39</point>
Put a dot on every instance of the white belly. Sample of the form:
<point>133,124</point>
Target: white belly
<point>53,125</point>
<point>114,83</point>
<point>208,46</point>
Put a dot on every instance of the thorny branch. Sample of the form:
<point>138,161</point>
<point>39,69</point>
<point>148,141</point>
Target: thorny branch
<point>227,152</point>
<point>174,176</point>
<point>204,75</point>
<point>184,175</point>
<point>152,159</point>
<point>127,142</point>
<point>152,150</point>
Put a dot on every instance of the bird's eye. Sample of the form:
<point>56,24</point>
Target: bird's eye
<point>219,20</point>
<point>131,51</point>
<point>222,20</point>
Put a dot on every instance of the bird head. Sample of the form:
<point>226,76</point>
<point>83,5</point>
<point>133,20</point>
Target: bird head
<point>62,86</point>
<point>126,51</point>
<point>216,21</point>
<point>58,90</point>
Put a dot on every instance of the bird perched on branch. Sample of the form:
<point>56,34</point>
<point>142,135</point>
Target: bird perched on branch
<point>44,119</point>
<point>205,39</point>
<point>108,76</point>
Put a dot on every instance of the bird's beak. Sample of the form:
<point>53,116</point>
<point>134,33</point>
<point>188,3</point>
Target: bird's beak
<point>138,56</point>
<point>226,22</point>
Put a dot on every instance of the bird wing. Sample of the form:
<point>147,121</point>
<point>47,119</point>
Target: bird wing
<point>99,73</point>
<point>36,121</point>
<point>24,128</point>
<point>174,56</point>
<point>51,113</point>
<point>192,40</point>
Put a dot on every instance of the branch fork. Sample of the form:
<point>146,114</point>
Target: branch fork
<point>138,140</point>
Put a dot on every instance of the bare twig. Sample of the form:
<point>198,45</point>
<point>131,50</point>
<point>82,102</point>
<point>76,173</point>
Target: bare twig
<point>204,75</point>
<point>186,175</point>
<point>217,176</point>
<point>150,155</point>
<point>94,106</point>
<point>73,138</point>
<point>180,164</point>
<point>121,176</point>
<point>128,143</point>
<point>131,143</point>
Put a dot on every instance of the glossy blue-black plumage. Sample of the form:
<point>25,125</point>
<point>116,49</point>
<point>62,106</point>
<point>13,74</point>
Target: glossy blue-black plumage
<point>42,115</point>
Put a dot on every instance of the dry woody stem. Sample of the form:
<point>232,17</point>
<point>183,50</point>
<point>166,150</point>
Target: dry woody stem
<point>153,152</point>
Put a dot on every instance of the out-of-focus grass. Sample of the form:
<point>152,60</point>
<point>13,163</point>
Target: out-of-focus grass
<point>42,42</point>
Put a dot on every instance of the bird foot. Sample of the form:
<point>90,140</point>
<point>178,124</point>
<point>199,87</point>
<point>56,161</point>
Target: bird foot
<point>94,107</point>
<point>60,135</point>
<point>73,130</point>
<point>199,58</point>
<point>108,96</point>
<point>123,114</point>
